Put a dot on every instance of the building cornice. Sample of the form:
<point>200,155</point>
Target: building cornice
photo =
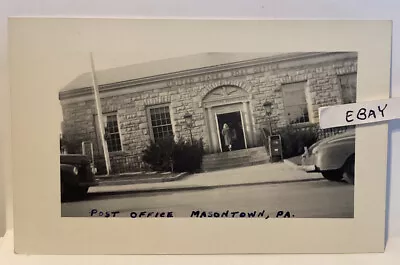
<point>84,91</point>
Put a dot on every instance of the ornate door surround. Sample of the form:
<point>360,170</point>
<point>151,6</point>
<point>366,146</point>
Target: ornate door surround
<point>222,99</point>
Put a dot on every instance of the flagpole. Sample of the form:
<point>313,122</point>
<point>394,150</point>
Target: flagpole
<point>100,116</point>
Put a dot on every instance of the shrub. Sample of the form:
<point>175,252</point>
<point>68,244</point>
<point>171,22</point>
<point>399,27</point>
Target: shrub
<point>188,157</point>
<point>180,156</point>
<point>159,154</point>
<point>295,139</point>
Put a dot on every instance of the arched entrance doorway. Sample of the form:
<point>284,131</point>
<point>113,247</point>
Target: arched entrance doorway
<point>229,105</point>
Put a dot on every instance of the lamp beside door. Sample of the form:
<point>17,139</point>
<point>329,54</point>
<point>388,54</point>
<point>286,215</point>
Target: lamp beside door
<point>268,111</point>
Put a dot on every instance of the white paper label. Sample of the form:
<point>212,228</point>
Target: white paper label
<point>359,113</point>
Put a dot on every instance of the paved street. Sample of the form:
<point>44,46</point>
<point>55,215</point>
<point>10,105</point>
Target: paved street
<point>314,198</point>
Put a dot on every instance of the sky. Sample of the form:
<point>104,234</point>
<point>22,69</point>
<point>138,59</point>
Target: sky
<point>101,62</point>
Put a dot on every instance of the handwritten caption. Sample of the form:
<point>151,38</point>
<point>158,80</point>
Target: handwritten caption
<point>362,114</point>
<point>359,113</point>
<point>194,214</point>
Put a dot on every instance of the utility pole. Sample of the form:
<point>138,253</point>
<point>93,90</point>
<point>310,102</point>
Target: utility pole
<point>100,116</point>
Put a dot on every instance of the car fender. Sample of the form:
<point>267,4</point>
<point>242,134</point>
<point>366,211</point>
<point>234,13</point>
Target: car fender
<point>67,174</point>
<point>333,157</point>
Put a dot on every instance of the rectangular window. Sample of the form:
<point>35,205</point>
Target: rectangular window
<point>112,133</point>
<point>160,122</point>
<point>295,103</point>
<point>348,84</point>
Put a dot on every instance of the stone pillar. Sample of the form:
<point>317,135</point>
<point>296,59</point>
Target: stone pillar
<point>248,125</point>
<point>253,129</point>
<point>309,101</point>
<point>212,132</point>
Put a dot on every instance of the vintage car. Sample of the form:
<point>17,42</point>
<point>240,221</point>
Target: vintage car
<point>77,175</point>
<point>333,157</point>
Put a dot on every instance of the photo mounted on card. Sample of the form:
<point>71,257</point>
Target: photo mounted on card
<point>161,136</point>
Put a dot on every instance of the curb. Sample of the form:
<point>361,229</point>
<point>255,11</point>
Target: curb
<point>129,180</point>
<point>202,187</point>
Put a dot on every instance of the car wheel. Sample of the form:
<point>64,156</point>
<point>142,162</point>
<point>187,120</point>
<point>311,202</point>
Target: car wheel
<point>348,170</point>
<point>333,175</point>
<point>82,192</point>
<point>72,193</point>
<point>62,191</point>
<point>66,192</point>
<point>78,193</point>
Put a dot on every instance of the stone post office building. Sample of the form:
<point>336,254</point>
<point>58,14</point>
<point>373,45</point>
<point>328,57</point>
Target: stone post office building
<point>147,101</point>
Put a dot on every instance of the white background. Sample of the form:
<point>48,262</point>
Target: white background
<point>282,9</point>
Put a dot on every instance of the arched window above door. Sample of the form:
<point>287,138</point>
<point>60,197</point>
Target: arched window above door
<point>224,95</point>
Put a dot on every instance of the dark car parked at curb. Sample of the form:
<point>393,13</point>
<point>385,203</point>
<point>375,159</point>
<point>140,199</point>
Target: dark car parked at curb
<point>333,157</point>
<point>77,175</point>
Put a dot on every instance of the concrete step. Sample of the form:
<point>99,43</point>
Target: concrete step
<point>227,160</point>
<point>234,165</point>
<point>234,154</point>
<point>238,158</point>
<point>249,150</point>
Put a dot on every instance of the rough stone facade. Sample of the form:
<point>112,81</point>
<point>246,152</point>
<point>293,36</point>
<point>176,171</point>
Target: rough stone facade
<point>252,84</point>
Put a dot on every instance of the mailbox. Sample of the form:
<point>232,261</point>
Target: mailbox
<point>275,148</point>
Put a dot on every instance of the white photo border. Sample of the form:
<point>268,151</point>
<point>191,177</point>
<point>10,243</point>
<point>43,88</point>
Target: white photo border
<point>40,48</point>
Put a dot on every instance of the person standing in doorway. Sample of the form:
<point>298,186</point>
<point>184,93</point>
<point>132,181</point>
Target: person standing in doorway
<point>226,132</point>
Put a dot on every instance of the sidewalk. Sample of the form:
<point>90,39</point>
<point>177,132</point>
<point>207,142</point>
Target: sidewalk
<point>294,161</point>
<point>138,177</point>
<point>260,174</point>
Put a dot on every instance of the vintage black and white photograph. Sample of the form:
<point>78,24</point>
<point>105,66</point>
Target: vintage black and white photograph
<point>209,135</point>
<point>198,136</point>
